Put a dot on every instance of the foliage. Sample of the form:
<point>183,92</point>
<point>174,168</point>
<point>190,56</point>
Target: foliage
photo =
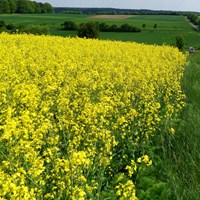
<point>182,156</point>
<point>11,27</point>
<point>118,11</point>
<point>2,23</point>
<point>180,42</point>
<point>88,30</point>
<point>78,116</point>
<point>13,6</point>
<point>105,27</point>
<point>35,29</point>
<point>2,29</point>
<point>71,12</point>
<point>2,26</point>
<point>69,25</point>
<point>114,28</point>
<point>194,18</point>
<point>128,28</point>
<point>24,7</point>
<point>4,6</point>
<point>20,28</point>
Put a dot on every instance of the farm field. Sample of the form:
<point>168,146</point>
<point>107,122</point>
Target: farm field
<point>168,27</point>
<point>133,138</point>
<point>86,119</point>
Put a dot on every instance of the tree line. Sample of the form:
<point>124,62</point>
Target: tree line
<point>114,11</point>
<point>24,7</point>
<point>39,29</point>
<point>103,27</point>
<point>194,19</point>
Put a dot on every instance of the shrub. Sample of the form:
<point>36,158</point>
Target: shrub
<point>179,42</point>
<point>10,26</point>
<point>104,27</point>
<point>36,29</point>
<point>2,23</point>
<point>69,25</point>
<point>88,30</point>
<point>128,28</point>
<point>155,26</point>
<point>2,29</point>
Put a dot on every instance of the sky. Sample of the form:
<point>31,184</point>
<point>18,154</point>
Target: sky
<point>175,5</point>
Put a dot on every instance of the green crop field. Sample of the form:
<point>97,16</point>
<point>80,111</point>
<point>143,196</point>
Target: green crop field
<point>168,27</point>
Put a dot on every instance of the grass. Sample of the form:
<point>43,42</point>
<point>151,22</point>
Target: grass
<point>168,27</point>
<point>180,157</point>
<point>176,172</point>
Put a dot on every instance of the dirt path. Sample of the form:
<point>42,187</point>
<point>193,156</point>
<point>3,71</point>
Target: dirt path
<point>193,25</point>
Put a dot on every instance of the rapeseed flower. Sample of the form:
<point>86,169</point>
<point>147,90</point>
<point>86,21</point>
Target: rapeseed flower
<point>74,111</point>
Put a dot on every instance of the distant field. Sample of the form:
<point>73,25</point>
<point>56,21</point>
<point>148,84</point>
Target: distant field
<point>111,16</point>
<point>168,27</point>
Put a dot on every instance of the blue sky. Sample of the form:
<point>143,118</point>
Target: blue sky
<point>179,5</point>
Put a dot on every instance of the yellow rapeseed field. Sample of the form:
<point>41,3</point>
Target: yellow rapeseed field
<point>74,112</point>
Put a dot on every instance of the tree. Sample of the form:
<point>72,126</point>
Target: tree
<point>143,25</point>
<point>129,28</point>
<point>103,27</point>
<point>126,28</point>
<point>155,26</point>
<point>25,6</point>
<point>37,7</point>
<point>13,6</point>
<point>48,7</point>
<point>194,18</point>
<point>69,25</point>
<point>2,23</point>
<point>114,28</point>
<point>4,6</point>
<point>179,42</point>
<point>88,30</point>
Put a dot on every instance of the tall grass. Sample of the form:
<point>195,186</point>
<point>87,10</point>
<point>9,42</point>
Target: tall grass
<point>182,160</point>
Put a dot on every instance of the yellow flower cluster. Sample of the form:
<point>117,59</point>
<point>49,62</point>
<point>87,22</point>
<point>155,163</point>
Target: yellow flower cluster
<point>69,105</point>
<point>145,159</point>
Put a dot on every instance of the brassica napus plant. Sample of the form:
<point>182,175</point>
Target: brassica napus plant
<point>74,113</point>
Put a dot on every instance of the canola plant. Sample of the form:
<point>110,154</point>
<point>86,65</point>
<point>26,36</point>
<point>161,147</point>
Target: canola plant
<point>74,113</point>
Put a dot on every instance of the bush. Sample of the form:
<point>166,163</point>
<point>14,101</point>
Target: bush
<point>88,30</point>
<point>128,28</point>
<point>10,27</point>
<point>2,23</point>
<point>179,42</point>
<point>155,26</point>
<point>2,29</point>
<point>125,28</point>
<point>36,29</point>
<point>104,27</point>
<point>114,28</point>
<point>69,25</point>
